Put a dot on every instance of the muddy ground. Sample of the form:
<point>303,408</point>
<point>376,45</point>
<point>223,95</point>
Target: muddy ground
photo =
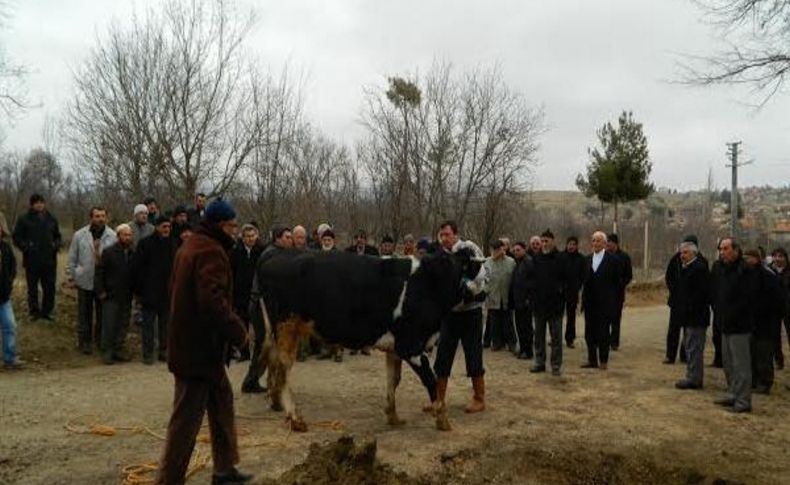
<point>626,425</point>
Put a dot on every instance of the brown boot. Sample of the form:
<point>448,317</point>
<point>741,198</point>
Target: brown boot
<point>478,400</point>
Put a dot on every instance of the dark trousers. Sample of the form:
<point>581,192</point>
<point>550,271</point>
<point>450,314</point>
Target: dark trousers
<point>44,275</point>
<point>763,362</point>
<point>673,338</point>
<point>554,322</point>
<point>115,325</point>
<point>254,370</point>
<point>193,398</point>
<point>87,303</point>
<point>526,332</point>
<point>596,336</point>
<point>718,360</point>
<point>155,318</point>
<point>499,329</point>
<point>466,327</point>
<point>571,304</point>
<point>614,330</point>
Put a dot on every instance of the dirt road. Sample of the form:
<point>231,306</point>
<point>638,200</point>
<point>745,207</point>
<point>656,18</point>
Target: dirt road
<point>626,425</point>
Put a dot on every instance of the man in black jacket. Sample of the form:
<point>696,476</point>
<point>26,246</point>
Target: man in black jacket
<point>197,213</point>
<point>691,306</point>
<point>113,285</point>
<point>282,239</point>
<point>37,235</point>
<point>782,270</point>
<point>522,288</point>
<point>361,245</point>
<point>549,303</point>
<point>768,308</point>
<point>733,288</point>
<point>153,265</point>
<point>243,259</point>
<point>574,262</point>
<point>626,275</point>
<point>600,300</point>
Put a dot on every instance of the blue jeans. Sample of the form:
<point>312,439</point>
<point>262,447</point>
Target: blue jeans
<point>8,324</point>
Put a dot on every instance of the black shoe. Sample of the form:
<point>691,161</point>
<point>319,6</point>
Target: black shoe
<point>724,401</point>
<point>684,360</point>
<point>353,352</point>
<point>762,390</point>
<point>252,388</point>
<point>86,348</point>
<point>668,361</point>
<point>497,348</point>
<point>162,357</point>
<point>233,477</point>
<point>570,345</point>
<point>46,317</point>
<point>537,369</point>
<point>121,358</point>
<point>684,385</point>
<point>589,365</point>
<point>524,356</point>
<point>740,409</point>
<point>364,352</point>
<point>556,372</point>
<point>614,348</point>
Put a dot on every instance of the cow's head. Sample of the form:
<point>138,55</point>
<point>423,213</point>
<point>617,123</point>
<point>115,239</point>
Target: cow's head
<point>435,286</point>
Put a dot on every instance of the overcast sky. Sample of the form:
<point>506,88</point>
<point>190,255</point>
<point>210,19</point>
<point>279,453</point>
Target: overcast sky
<point>584,61</point>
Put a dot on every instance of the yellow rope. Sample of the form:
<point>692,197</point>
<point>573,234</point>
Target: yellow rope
<point>144,474</point>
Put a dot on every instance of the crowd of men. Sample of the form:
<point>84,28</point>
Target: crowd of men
<point>748,293</point>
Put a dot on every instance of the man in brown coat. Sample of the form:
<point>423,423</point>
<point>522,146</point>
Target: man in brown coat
<point>203,326</point>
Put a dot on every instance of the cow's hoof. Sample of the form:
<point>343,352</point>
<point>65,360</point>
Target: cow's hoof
<point>276,407</point>
<point>429,409</point>
<point>443,424</point>
<point>297,425</point>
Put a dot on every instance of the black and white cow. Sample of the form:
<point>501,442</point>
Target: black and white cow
<point>395,305</point>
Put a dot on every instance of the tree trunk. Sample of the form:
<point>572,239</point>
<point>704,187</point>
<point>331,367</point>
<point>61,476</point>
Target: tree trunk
<point>614,223</point>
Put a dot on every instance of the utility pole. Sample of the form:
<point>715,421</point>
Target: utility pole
<point>732,151</point>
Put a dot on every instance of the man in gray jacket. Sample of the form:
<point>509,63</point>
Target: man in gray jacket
<point>85,251</point>
<point>499,321</point>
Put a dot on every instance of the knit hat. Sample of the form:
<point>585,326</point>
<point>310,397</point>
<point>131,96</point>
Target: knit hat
<point>161,219</point>
<point>220,211</point>
<point>612,238</point>
<point>328,233</point>
<point>322,228</point>
<point>424,244</point>
<point>140,209</point>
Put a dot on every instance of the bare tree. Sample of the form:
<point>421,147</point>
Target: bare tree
<point>758,35</point>
<point>12,76</point>
<point>458,147</point>
<point>168,101</point>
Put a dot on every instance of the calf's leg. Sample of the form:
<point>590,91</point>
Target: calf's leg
<point>422,368</point>
<point>282,358</point>
<point>394,366</point>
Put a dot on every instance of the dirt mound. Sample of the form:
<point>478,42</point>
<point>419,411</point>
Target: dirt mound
<point>342,461</point>
<point>506,462</point>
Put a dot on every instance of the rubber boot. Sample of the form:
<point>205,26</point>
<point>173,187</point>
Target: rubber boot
<point>478,399</point>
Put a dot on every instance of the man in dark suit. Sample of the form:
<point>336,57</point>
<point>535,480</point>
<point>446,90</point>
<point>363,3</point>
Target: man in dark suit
<point>626,275</point>
<point>600,300</point>
<point>576,267</point>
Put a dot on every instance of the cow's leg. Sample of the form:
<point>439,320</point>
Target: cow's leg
<point>394,365</point>
<point>422,368</point>
<point>282,358</point>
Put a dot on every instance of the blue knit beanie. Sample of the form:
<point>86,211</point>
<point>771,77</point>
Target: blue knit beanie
<point>220,211</point>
